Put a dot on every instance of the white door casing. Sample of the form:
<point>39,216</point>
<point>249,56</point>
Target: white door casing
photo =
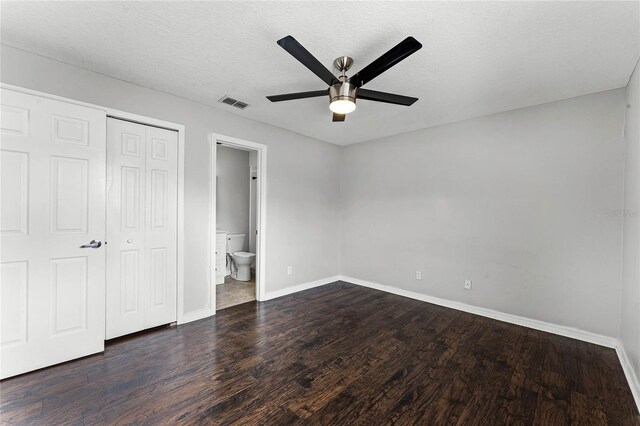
<point>253,201</point>
<point>141,227</point>
<point>261,211</point>
<point>52,200</point>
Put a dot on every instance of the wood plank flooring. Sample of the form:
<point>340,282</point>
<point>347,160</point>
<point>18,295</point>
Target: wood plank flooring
<point>337,354</point>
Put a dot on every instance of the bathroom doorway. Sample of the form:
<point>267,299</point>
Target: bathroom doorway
<point>237,221</point>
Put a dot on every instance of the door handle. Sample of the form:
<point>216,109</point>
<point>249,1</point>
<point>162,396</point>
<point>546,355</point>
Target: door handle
<point>93,244</point>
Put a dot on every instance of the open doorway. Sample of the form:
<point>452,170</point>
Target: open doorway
<point>237,221</point>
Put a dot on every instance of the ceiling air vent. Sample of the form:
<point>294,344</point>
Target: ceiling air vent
<point>233,102</point>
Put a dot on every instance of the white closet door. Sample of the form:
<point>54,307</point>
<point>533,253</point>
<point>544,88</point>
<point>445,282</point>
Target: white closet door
<point>161,229</point>
<point>141,227</point>
<point>126,217</point>
<point>52,201</point>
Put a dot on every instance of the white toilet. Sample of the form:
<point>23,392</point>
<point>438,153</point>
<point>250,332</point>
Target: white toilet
<point>241,259</point>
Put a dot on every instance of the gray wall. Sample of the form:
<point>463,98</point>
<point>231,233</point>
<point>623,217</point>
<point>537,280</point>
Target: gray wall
<point>514,201</point>
<point>302,213</point>
<point>630,308</point>
<point>232,192</point>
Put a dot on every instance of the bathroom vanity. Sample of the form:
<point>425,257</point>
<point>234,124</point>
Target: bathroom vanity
<point>221,256</point>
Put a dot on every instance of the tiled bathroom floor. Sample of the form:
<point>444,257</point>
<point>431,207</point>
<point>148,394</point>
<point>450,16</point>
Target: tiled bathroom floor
<point>234,292</point>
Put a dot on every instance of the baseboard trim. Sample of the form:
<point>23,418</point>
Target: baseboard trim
<point>195,316</point>
<point>205,313</point>
<point>269,295</point>
<point>632,377</point>
<point>574,333</point>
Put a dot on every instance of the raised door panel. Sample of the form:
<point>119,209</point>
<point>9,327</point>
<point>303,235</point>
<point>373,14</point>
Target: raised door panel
<point>159,199</point>
<point>15,120</point>
<point>69,197</point>
<point>160,149</point>
<point>130,199</point>
<point>158,277</point>
<point>130,144</point>
<point>14,192</point>
<point>14,290</point>
<point>69,283</point>
<point>69,130</point>
<point>129,281</point>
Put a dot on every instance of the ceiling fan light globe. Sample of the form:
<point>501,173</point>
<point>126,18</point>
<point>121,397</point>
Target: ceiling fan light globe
<point>342,106</point>
<point>342,98</point>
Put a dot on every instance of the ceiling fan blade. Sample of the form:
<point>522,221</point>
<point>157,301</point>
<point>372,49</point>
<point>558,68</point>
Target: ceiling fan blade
<point>296,50</point>
<point>390,98</point>
<point>298,95</point>
<point>338,117</point>
<point>401,51</point>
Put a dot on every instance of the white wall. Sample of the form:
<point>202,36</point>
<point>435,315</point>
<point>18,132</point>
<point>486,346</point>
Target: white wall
<point>630,308</point>
<point>302,175</point>
<point>514,201</point>
<point>232,192</point>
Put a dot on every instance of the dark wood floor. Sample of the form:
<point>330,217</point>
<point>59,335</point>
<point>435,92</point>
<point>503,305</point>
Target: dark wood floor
<point>338,354</point>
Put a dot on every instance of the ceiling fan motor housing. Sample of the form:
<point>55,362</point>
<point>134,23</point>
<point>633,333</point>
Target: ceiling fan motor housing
<point>343,91</point>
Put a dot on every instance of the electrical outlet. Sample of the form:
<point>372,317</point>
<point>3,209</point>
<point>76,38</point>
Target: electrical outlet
<point>289,270</point>
<point>418,275</point>
<point>467,284</point>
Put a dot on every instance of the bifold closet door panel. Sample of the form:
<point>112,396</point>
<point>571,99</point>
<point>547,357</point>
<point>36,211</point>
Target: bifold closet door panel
<point>52,201</point>
<point>126,222</point>
<point>161,225</point>
<point>142,227</point>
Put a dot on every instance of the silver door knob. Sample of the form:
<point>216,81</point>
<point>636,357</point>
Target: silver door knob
<point>93,244</point>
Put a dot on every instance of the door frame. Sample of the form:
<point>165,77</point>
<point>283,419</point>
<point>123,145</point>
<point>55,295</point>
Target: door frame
<point>261,217</point>
<point>141,119</point>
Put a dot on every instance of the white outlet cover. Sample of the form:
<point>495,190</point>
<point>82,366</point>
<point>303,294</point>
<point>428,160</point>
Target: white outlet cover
<point>467,284</point>
<point>290,270</point>
<point>418,275</point>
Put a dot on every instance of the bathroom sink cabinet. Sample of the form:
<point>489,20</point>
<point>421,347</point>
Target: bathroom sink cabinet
<point>221,256</point>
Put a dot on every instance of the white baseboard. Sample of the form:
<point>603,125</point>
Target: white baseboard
<point>632,378</point>
<point>195,315</point>
<point>205,313</point>
<point>300,287</point>
<point>574,333</point>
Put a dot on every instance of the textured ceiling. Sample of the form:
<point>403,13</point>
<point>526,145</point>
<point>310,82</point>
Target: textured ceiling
<point>477,58</point>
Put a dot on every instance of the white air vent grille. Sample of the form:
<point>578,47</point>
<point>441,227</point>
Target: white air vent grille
<point>233,102</point>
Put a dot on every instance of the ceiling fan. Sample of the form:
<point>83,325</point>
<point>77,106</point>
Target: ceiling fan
<point>344,90</point>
